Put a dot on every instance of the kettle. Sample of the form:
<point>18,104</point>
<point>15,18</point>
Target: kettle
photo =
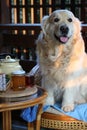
<point>8,65</point>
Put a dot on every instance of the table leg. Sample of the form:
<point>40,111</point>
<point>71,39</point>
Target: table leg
<point>38,120</point>
<point>6,120</point>
<point>30,126</point>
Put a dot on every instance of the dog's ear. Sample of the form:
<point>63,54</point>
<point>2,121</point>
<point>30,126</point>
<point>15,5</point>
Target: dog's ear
<point>78,23</point>
<point>44,24</point>
<point>77,28</point>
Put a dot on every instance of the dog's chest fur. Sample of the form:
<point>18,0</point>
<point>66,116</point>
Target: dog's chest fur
<point>55,69</point>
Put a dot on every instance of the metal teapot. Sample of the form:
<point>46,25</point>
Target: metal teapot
<point>9,65</point>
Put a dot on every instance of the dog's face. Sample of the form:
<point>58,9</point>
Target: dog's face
<point>61,26</point>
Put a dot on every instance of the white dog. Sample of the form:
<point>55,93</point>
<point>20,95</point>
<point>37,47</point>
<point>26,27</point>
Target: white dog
<point>62,59</point>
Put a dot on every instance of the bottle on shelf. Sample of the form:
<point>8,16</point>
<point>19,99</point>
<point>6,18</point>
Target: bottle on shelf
<point>15,52</point>
<point>30,55</point>
<point>23,53</point>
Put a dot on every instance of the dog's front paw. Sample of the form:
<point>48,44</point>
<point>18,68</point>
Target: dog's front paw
<point>68,108</point>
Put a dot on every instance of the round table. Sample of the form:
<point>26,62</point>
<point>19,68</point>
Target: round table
<point>9,104</point>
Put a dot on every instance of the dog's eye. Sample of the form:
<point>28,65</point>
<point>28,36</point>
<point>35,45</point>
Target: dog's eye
<point>70,20</point>
<point>56,20</point>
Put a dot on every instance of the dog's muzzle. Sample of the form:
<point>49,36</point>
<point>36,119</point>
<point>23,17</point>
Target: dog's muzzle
<point>64,30</point>
<point>63,38</point>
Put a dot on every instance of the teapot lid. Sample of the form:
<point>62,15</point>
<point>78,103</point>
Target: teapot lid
<point>8,59</point>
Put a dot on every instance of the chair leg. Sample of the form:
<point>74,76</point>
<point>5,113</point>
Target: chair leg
<point>30,126</point>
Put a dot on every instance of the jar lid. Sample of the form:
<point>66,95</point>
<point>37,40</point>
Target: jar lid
<point>18,72</point>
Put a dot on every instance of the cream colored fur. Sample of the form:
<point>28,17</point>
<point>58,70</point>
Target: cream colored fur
<point>63,65</point>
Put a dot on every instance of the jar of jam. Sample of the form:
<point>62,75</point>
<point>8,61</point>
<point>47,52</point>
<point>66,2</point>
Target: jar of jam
<point>18,80</point>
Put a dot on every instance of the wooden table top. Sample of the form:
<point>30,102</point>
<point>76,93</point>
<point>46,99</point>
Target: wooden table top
<point>15,103</point>
<point>10,93</point>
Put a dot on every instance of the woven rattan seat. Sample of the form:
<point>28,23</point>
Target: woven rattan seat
<point>54,119</point>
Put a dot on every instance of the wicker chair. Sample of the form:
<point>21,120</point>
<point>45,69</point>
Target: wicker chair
<point>53,119</point>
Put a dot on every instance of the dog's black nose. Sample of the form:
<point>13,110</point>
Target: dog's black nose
<point>64,29</point>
